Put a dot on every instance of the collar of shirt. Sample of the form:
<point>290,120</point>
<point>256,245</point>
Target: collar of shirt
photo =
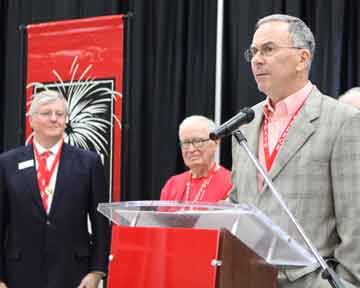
<point>41,149</point>
<point>288,106</point>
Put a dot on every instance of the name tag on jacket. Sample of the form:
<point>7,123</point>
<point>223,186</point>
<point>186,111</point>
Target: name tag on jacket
<point>26,164</point>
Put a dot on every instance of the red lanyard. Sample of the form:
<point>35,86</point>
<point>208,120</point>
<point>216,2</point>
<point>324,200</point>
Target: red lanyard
<point>53,166</point>
<point>269,158</point>
<point>200,194</point>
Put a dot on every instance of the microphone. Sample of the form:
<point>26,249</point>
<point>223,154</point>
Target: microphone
<point>245,116</point>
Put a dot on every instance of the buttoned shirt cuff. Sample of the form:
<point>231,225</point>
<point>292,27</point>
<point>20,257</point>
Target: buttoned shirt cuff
<point>102,274</point>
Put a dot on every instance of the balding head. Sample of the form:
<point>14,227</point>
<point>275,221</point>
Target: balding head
<point>197,120</point>
<point>351,97</point>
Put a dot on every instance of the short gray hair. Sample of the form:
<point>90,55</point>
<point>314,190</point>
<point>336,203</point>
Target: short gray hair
<point>45,97</point>
<point>191,120</point>
<point>300,33</point>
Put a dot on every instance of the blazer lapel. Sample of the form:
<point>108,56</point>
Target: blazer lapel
<point>299,132</point>
<point>253,143</point>
<point>63,175</point>
<point>30,178</point>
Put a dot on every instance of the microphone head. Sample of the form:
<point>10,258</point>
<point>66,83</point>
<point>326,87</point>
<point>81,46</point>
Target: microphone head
<point>244,116</point>
<point>250,114</point>
<point>213,136</point>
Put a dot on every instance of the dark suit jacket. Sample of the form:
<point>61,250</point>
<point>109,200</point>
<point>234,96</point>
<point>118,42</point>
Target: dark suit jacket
<point>54,250</point>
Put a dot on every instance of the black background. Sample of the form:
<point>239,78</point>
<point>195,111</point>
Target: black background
<point>171,68</point>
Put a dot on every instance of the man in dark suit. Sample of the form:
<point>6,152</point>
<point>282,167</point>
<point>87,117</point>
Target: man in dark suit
<point>48,191</point>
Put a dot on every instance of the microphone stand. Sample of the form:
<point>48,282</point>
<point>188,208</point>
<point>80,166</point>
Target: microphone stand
<point>328,273</point>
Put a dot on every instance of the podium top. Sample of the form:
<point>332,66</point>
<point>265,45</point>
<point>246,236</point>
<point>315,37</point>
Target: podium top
<point>245,221</point>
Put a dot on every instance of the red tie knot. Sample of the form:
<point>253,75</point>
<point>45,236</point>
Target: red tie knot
<point>45,155</point>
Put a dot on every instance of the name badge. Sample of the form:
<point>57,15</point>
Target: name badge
<point>26,164</point>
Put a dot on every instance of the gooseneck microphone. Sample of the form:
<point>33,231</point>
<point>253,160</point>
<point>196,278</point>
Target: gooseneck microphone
<point>245,115</point>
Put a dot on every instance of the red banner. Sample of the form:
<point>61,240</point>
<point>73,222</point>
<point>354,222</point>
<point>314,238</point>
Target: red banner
<point>83,59</point>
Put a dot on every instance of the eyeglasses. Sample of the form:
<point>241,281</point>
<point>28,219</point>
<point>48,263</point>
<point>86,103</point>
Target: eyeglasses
<point>49,114</point>
<point>266,50</point>
<point>196,142</point>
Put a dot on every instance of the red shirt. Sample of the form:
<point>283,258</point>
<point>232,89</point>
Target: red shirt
<point>218,188</point>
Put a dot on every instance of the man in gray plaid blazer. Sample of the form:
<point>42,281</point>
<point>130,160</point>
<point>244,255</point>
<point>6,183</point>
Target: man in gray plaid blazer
<point>310,145</point>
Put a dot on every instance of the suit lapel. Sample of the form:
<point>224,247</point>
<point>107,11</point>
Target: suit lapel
<point>63,175</point>
<point>253,143</point>
<point>30,178</point>
<point>299,132</point>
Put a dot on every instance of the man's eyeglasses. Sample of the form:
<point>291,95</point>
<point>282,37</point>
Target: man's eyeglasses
<point>48,114</point>
<point>266,50</point>
<point>195,142</point>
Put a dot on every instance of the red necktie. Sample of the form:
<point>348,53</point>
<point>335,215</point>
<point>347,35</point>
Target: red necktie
<point>43,178</point>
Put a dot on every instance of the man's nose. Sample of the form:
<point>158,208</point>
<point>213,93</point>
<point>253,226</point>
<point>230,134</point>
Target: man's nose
<point>257,58</point>
<point>191,147</point>
<point>53,117</point>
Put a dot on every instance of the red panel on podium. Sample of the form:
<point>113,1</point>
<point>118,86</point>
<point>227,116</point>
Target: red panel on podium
<point>155,257</point>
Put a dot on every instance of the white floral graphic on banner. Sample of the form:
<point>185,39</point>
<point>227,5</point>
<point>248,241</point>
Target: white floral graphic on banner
<point>91,108</point>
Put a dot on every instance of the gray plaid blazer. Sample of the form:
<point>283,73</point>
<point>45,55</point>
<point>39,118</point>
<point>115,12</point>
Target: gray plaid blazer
<point>317,171</point>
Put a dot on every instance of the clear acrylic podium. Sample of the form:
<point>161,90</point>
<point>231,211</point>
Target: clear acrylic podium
<point>178,244</point>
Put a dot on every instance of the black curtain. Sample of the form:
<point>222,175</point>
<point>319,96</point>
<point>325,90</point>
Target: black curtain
<point>3,10</point>
<point>172,76</point>
<point>171,68</point>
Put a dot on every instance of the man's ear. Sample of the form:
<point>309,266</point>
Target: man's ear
<point>31,121</point>
<point>303,60</point>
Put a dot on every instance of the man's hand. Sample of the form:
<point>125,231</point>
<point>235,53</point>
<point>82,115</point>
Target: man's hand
<point>3,285</point>
<point>91,280</point>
